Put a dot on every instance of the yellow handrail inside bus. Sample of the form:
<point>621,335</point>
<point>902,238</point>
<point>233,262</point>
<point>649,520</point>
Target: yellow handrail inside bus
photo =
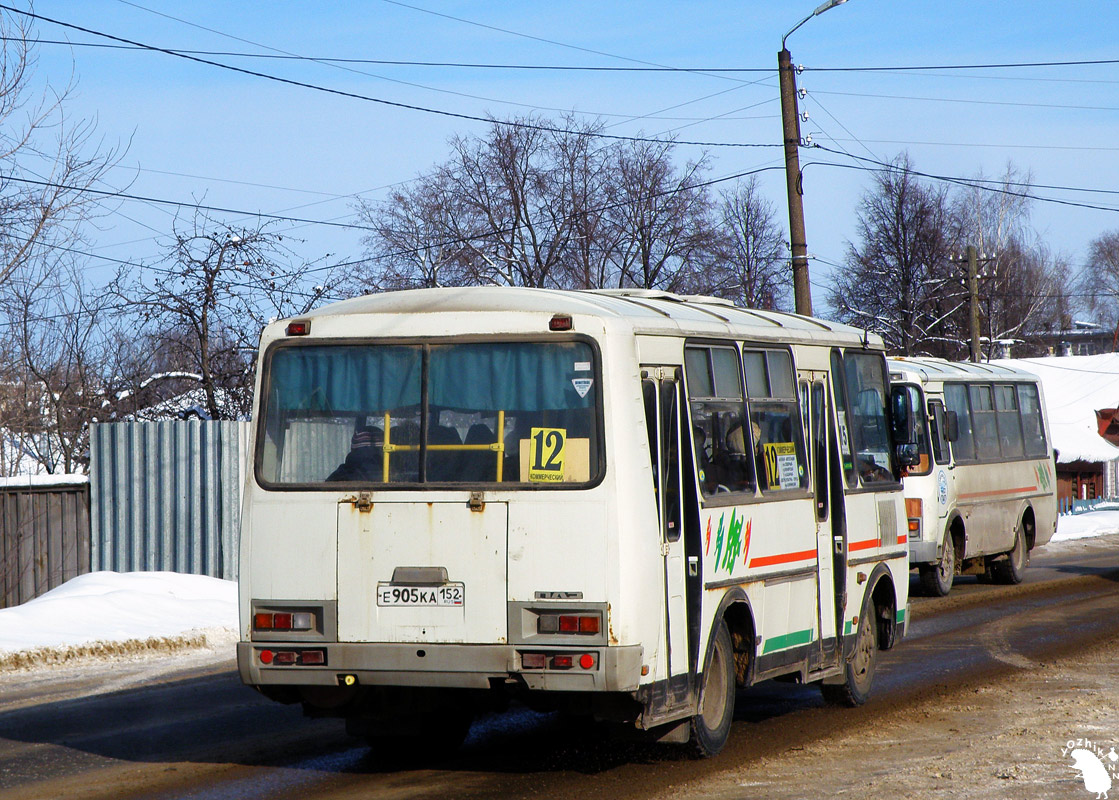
<point>497,447</point>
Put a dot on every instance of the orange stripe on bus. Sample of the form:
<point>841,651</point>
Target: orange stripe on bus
<point>867,544</point>
<point>997,492</point>
<point>902,539</point>
<point>784,558</point>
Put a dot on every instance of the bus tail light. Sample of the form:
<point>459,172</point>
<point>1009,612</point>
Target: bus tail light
<point>569,623</point>
<point>913,508</point>
<point>283,621</point>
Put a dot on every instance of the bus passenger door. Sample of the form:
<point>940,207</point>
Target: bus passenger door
<point>830,552</point>
<point>661,391</point>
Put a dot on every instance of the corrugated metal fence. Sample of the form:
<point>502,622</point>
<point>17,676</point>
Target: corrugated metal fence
<point>167,495</point>
<point>44,538</point>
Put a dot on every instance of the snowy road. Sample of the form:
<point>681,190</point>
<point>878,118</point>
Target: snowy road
<point>202,735</point>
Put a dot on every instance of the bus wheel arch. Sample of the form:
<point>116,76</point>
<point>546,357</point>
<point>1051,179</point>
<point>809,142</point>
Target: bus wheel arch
<point>736,612</point>
<point>1009,568</point>
<point>877,630</point>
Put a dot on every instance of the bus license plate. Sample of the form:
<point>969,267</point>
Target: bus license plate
<point>449,594</point>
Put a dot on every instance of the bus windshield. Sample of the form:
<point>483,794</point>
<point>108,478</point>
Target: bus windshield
<point>478,413</point>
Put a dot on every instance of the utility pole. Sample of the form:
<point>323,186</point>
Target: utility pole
<point>794,186</point>
<point>973,301</point>
<point>973,258</point>
<point>794,180</point>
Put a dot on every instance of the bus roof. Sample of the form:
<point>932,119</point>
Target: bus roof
<point>939,369</point>
<point>646,311</point>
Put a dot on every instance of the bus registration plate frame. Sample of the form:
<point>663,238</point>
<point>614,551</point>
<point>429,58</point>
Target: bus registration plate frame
<point>447,595</point>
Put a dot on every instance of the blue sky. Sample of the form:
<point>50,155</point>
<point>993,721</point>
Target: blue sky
<point>197,132</point>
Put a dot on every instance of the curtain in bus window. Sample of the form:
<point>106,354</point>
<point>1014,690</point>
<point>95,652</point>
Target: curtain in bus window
<point>512,375</point>
<point>985,429</point>
<point>955,398</point>
<point>343,379</point>
<point>527,397</point>
<point>1010,427</point>
<point>778,434</point>
<point>718,417</point>
<point>1032,427</point>
<point>867,393</point>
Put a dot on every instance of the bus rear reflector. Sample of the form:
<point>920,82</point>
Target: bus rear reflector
<point>586,661</point>
<point>312,657</point>
<point>533,660</point>
<point>569,623</point>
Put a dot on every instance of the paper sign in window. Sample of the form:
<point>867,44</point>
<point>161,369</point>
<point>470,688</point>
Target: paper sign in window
<point>549,456</point>
<point>781,465</point>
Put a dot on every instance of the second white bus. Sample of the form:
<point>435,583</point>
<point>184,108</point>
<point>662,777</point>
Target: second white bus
<point>983,494</point>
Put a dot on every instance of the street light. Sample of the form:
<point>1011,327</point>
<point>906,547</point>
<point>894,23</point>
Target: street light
<point>790,123</point>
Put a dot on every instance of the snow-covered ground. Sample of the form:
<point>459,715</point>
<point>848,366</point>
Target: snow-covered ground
<point>122,613</point>
<point>119,613</point>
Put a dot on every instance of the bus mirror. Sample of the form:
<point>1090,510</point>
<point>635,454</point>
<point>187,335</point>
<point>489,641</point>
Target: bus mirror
<point>908,455</point>
<point>900,416</point>
<point>951,425</point>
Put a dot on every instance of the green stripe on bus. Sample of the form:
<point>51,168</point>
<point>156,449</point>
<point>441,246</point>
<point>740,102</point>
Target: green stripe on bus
<point>901,615</point>
<point>847,628</point>
<point>788,640</point>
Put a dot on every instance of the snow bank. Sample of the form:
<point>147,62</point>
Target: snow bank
<point>16,481</point>
<point>1087,525</point>
<point>107,613</point>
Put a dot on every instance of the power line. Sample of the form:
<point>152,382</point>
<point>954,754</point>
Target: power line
<point>378,100</point>
<point>882,165</point>
<point>971,102</point>
<point>280,56</point>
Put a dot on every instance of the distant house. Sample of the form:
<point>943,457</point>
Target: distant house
<point>1082,339</point>
<point>1074,387</point>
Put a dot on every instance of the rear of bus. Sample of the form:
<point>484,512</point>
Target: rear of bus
<point>425,527</point>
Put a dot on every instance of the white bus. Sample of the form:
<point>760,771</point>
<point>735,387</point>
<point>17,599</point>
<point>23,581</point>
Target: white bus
<point>984,492</point>
<point>624,504</point>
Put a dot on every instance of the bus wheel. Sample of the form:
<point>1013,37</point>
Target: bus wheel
<point>443,735</point>
<point>1011,569</point>
<point>859,672</point>
<point>936,579</point>
<point>711,726</point>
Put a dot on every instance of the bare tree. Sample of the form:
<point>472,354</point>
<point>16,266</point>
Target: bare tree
<point>662,218</point>
<point>546,205</point>
<point>48,162</point>
<point>895,283</point>
<point>753,267</point>
<point>1022,287</point>
<point>58,335</point>
<point>206,303</point>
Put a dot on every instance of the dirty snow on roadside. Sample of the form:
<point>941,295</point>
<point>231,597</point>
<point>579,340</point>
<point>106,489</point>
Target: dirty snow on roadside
<point>112,613</point>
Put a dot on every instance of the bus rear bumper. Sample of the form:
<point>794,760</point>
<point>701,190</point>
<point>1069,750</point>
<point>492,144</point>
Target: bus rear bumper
<point>459,666</point>
<point>923,553</point>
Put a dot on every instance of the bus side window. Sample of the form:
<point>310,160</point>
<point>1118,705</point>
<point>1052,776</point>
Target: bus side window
<point>955,398</point>
<point>1033,429</point>
<point>718,418</point>
<point>938,427</point>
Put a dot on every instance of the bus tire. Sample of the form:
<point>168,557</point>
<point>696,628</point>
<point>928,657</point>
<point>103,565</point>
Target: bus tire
<point>936,579</point>
<point>1011,570</point>
<point>710,727</point>
<point>859,670</point>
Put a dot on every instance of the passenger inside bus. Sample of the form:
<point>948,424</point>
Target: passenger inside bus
<point>364,461</point>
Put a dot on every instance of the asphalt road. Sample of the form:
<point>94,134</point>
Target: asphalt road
<point>181,730</point>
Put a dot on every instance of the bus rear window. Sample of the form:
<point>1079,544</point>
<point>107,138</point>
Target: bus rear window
<point>472,413</point>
